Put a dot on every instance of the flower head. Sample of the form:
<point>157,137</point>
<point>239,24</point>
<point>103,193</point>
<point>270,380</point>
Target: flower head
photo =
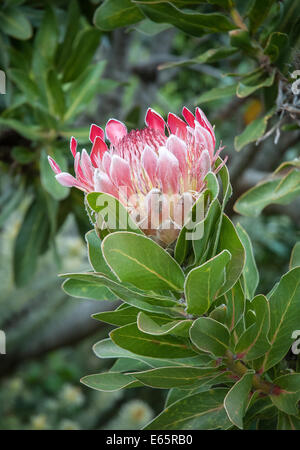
<point>161,161</point>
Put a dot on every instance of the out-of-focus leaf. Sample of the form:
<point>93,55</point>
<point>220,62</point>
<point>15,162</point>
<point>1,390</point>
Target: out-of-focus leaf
<point>14,23</point>
<point>210,56</point>
<point>30,239</point>
<point>281,190</point>
<point>83,89</point>
<point>295,256</point>
<point>31,132</point>
<point>23,155</point>
<point>116,13</point>
<point>24,83</point>
<point>216,94</point>
<point>276,44</point>
<point>83,51</point>
<point>71,31</point>
<point>258,12</point>
<point>46,39</point>
<point>247,86</point>
<point>196,24</point>
<point>12,203</point>
<point>55,94</point>
<point>253,131</point>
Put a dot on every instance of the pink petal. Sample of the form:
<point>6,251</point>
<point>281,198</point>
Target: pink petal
<point>120,172</point>
<point>95,131</point>
<point>106,161</point>
<point>65,179</point>
<point>77,168</point>
<point>189,117</point>
<point>204,163</point>
<point>115,130</point>
<point>86,166</point>
<point>178,148</point>
<point>177,126</point>
<point>182,208</point>
<point>204,137</point>
<point>149,162</point>
<point>154,120</point>
<point>203,120</point>
<point>54,166</point>
<point>168,171</point>
<point>102,183</point>
<point>98,150</point>
<point>73,146</point>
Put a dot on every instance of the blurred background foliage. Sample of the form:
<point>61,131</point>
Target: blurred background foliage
<point>72,63</point>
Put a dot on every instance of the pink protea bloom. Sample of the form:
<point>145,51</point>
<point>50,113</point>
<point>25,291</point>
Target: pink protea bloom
<point>169,160</point>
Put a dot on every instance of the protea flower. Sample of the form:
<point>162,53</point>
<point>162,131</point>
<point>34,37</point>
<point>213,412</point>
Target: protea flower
<point>160,167</point>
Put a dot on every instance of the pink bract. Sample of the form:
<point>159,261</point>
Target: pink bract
<point>170,158</point>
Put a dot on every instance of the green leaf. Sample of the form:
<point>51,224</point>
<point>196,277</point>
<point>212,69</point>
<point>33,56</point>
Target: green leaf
<point>229,240</point>
<point>31,132</point>
<point>95,255</point>
<point>83,289</point>
<point>287,400</point>
<point>248,86</point>
<point>236,400</point>
<point>138,260</point>
<point>88,39</point>
<point>71,30</point>
<point>48,180</point>
<point>210,56</point>
<point>111,212</point>
<point>14,23</point>
<point>46,39</point>
<point>210,336</point>
<point>119,317</point>
<point>55,94</point>
<point>169,377</point>
<point>202,411</point>
<point>235,302</point>
<point>29,242</point>
<point>279,190</point>
<point>295,256</point>
<point>276,44</point>
<point>108,349</point>
<point>194,23</point>
<point>258,12</point>
<point>285,317</point>
<point>160,326</point>
<point>83,89</point>
<point>24,83</point>
<point>128,364</point>
<point>288,422</point>
<point>109,381</point>
<point>203,283</point>
<point>133,297</point>
<point>250,272</point>
<point>216,94</point>
<point>253,131</point>
<point>112,14</point>
<point>254,343</point>
<point>131,338</point>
